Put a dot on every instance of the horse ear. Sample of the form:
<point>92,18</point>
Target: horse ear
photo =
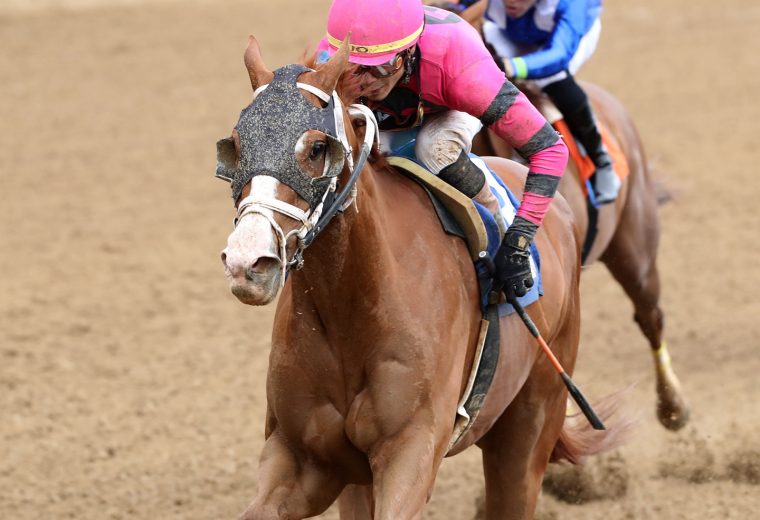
<point>329,74</point>
<point>257,71</point>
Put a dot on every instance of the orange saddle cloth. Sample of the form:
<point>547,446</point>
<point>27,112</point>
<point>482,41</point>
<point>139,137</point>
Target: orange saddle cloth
<point>585,166</point>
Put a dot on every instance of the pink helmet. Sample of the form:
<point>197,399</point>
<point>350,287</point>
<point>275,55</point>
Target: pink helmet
<point>379,29</point>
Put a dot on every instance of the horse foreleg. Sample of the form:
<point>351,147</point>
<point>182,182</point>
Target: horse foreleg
<point>403,473</point>
<point>355,503</point>
<point>517,448</point>
<point>631,258</point>
<point>290,488</point>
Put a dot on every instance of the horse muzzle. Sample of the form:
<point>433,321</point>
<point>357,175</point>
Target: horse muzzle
<point>251,263</point>
<point>253,283</point>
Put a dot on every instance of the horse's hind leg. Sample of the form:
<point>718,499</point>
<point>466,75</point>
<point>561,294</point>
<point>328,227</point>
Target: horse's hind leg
<point>632,259</point>
<point>517,448</point>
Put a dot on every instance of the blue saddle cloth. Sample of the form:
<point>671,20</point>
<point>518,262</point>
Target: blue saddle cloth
<point>509,204</point>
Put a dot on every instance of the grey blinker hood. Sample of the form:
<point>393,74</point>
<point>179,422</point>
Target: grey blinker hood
<point>270,128</point>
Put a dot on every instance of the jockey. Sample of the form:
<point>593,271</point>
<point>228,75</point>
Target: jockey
<point>547,41</point>
<point>425,67</point>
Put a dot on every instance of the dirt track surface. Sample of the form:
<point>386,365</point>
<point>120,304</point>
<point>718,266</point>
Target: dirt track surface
<point>132,381</point>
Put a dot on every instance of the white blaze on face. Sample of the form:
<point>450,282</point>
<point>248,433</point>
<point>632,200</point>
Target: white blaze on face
<point>253,238</point>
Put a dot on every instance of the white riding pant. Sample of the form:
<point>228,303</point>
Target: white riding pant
<point>440,139</point>
<point>505,48</point>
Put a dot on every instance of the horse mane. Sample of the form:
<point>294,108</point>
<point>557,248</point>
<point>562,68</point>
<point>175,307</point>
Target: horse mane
<point>309,58</point>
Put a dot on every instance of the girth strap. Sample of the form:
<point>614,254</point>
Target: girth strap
<point>481,376</point>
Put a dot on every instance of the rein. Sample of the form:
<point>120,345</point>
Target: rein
<point>315,220</point>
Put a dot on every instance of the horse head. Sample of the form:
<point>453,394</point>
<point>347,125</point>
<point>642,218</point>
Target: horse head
<point>283,160</point>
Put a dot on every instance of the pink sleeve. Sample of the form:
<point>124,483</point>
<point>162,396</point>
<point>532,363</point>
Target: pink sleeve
<point>481,89</point>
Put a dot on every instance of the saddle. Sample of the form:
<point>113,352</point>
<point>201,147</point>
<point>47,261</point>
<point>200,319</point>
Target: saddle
<point>466,222</point>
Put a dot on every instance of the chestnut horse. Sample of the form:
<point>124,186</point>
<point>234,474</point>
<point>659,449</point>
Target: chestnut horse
<point>627,236</point>
<point>374,336</point>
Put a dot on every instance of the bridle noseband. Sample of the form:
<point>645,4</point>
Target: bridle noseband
<point>329,203</point>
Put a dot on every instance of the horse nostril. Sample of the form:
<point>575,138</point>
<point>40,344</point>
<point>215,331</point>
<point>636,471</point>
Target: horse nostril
<point>224,258</point>
<point>251,271</point>
<point>262,266</point>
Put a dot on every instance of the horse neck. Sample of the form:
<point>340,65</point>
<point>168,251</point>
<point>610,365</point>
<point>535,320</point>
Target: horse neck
<point>346,259</point>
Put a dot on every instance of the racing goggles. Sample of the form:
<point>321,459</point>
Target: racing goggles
<point>384,70</point>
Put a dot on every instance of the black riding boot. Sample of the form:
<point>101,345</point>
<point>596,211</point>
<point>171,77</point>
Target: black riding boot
<point>572,101</point>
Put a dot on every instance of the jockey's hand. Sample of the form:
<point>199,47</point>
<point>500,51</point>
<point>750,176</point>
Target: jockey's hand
<point>509,72</point>
<point>512,263</point>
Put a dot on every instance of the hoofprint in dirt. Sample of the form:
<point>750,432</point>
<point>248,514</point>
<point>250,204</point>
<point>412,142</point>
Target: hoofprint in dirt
<point>132,382</point>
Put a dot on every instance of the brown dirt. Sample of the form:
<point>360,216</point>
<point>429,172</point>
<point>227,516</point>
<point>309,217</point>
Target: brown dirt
<point>131,381</point>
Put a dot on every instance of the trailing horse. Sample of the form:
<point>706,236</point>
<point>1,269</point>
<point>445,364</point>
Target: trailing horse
<point>624,235</point>
<point>375,335</point>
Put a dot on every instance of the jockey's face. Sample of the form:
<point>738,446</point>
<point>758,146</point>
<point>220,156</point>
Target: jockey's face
<point>517,8</point>
<point>358,81</point>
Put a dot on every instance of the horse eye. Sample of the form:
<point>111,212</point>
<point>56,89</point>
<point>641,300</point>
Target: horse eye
<point>317,150</point>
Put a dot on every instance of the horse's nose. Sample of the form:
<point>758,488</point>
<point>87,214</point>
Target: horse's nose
<point>250,268</point>
<point>262,266</point>
<point>233,265</point>
<point>237,265</point>
<point>224,261</point>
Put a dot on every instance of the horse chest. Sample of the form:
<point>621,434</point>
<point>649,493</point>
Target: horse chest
<point>360,428</point>
<point>380,412</point>
<point>320,428</point>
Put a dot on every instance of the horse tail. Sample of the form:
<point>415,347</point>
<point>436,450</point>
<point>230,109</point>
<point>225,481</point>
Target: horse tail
<point>579,440</point>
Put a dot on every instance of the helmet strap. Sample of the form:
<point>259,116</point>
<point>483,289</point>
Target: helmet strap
<point>409,65</point>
